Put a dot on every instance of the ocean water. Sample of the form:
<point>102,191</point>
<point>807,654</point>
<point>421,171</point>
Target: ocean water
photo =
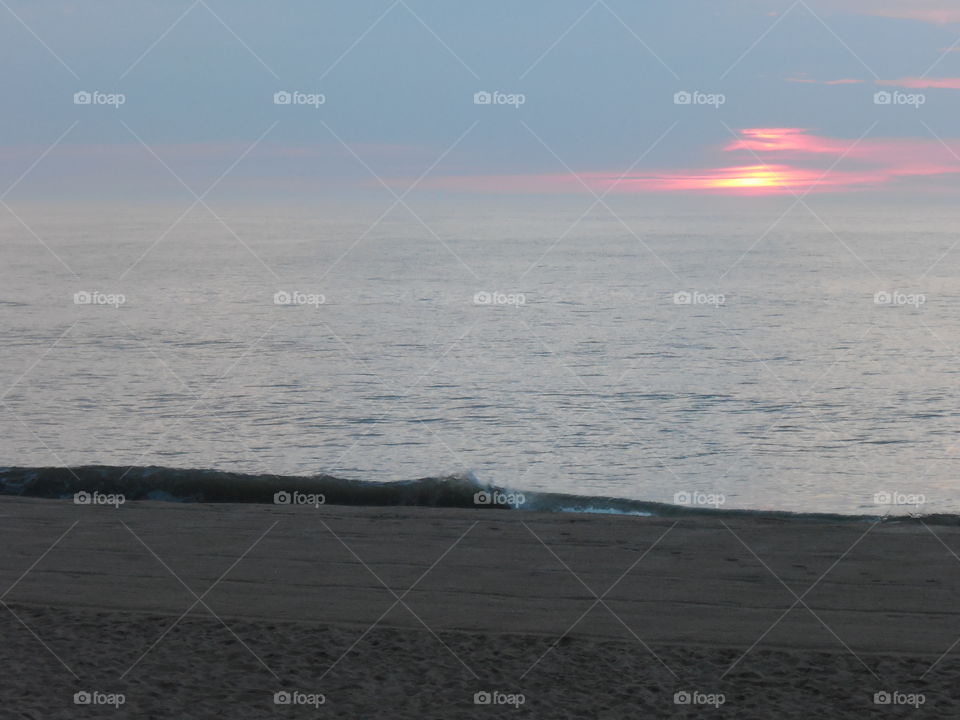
<point>533,348</point>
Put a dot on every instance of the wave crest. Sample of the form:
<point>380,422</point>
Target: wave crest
<point>454,491</point>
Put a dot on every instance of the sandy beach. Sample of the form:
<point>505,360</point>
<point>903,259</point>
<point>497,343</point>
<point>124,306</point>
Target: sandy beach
<point>205,611</point>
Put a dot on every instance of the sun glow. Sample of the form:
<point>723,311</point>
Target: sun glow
<point>754,177</point>
<point>741,179</point>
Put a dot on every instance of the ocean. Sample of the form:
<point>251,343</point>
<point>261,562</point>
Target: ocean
<point>750,355</point>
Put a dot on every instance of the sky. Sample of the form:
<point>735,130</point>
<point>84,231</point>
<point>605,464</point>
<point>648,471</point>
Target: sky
<point>712,97</point>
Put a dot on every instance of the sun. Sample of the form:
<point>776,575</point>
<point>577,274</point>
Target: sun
<point>759,178</point>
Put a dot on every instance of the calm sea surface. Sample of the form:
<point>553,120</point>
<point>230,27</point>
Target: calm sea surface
<point>510,342</point>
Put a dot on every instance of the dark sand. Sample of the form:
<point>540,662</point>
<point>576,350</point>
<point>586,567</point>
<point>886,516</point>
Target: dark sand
<point>290,598</point>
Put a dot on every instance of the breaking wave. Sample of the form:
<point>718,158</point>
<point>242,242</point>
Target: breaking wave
<point>454,491</point>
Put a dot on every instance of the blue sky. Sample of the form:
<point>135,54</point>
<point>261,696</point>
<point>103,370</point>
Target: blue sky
<point>598,81</point>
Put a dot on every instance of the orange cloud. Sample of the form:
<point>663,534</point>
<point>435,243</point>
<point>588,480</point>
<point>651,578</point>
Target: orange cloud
<point>791,160</point>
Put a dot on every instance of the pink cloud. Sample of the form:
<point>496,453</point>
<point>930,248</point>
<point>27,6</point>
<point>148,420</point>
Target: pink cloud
<point>939,12</point>
<point>758,161</point>
<point>920,82</point>
<point>791,141</point>
<point>769,161</point>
